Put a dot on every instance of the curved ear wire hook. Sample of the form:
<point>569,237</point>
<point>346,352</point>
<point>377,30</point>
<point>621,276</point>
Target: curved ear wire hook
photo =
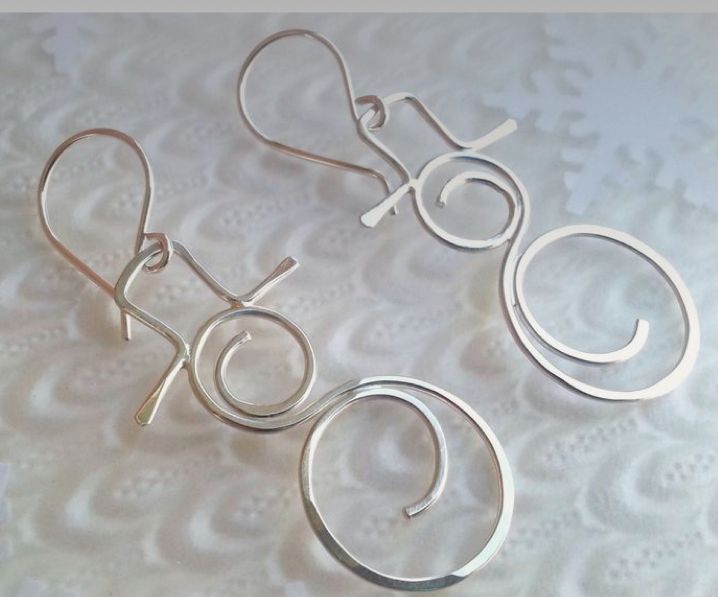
<point>378,119</point>
<point>366,125</point>
<point>63,249</point>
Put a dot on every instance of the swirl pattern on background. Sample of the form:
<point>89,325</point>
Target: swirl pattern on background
<point>612,499</point>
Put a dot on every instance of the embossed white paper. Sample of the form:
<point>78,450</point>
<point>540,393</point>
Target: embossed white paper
<point>618,126</point>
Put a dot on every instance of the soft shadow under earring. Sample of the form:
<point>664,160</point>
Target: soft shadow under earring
<point>485,170</point>
<point>220,401</point>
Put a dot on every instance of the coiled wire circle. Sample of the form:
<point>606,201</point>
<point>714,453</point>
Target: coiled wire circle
<point>523,326</point>
<point>527,331</point>
<point>296,410</point>
<point>497,183</point>
<point>397,388</point>
<point>220,371</point>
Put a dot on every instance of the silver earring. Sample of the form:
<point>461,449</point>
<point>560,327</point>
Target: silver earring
<point>483,169</point>
<point>220,401</point>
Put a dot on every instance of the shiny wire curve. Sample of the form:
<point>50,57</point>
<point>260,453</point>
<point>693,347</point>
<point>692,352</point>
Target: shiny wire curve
<point>232,410</point>
<point>240,306</point>
<point>527,331</point>
<point>147,201</point>
<point>483,170</point>
<point>397,388</point>
<point>367,124</point>
<point>239,413</point>
<point>513,280</point>
<point>352,100</point>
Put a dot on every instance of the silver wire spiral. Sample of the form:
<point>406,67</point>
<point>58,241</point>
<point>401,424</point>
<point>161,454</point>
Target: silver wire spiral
<point>520,318</point>
<point>238,413</point>
<point>225,405</point>
<point>524,327</point>
<point>242,307</point>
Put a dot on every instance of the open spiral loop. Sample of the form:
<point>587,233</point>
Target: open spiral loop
<point>524,326</point>
<point>238,413</point>
<point>147,200</point>
<point>221,366</point>
<point>497,183</point>
<point>403,390</point>
<point>527,331</point>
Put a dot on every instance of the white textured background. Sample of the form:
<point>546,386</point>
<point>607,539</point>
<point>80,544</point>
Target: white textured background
<point>618,125</point>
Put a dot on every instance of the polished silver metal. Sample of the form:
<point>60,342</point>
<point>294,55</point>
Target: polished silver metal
<point>396,388</point>
<point>186,355</point>
<point>367,124</point>
<point>221,402</point>
<point>147,200</point>
<point>484,170</point>
<point>521,320</point>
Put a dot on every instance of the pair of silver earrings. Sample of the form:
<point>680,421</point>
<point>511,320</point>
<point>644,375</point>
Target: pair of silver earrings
<point>215,394</point>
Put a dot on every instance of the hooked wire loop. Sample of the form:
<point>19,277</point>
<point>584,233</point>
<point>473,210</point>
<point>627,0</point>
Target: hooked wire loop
<point>146,208</point>
<point>488,172</point>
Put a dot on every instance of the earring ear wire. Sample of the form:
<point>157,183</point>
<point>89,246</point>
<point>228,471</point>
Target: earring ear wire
<point>147,202</point>
<point>486,171</point>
